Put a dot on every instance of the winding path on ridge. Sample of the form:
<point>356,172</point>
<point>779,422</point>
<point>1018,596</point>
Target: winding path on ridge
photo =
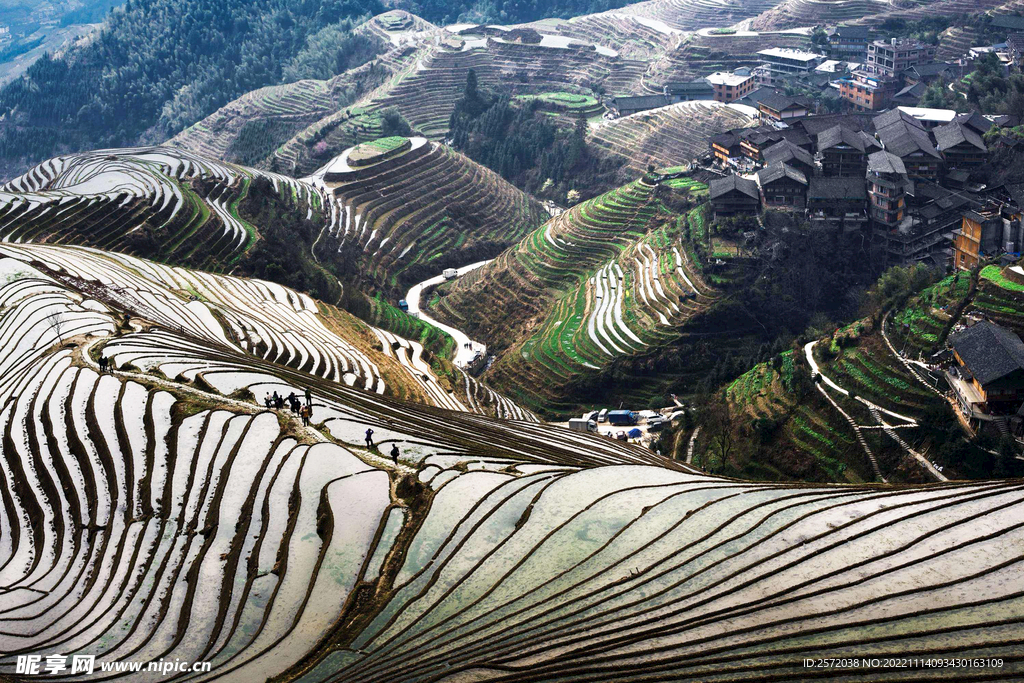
<point>463,353</point>
<point>875,410</point>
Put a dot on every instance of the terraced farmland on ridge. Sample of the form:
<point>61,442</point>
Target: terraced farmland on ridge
<point>666,136</point>
<point>609,278</point>
<point>415,213</point>
<point>155,201</point>
<point>158,511</point>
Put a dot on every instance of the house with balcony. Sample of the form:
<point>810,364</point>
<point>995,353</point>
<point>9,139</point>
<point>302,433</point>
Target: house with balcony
<point>837,203</point>
<point>778,107</point>
<point>987,373</point>
<point>887,184</point>
<point>849,43</point>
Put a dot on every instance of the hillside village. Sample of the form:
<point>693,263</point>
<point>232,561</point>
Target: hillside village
<point>499,341</point>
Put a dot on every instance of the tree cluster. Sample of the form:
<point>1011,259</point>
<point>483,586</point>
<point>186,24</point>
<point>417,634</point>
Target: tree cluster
<point>524,146</point>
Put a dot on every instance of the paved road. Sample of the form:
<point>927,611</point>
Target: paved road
<point>463,354</point>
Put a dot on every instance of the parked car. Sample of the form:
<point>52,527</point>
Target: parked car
<point>621,435</point>
<point>592,415</point>
<point>603,415</point>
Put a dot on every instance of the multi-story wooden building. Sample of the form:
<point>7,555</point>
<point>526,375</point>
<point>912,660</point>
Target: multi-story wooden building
<point>987,376</point>
<point>726,146</point>
<point>887,189</point>
<point>903,135</point>
<point>786,152</point>
<point>960,145</point>
<point>782,187</point>
<point>844,152</point>
<point>734,195</point>
<point>837,202</point>
<point>782,108</point>
<point>849,43</point>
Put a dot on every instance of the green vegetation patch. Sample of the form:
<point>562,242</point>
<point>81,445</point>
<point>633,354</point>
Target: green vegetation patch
<point>994,275</point>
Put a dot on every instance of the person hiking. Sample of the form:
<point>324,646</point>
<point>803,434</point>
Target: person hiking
<point>395,453</point>
<point>369,438</point>
<point>268,402</point>
<point>309,397</point>
<point>305,413</point>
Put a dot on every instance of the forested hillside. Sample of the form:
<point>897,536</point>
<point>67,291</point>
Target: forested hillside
<point>169,63</point>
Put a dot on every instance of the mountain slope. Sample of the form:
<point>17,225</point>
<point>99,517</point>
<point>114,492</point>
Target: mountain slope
<point>149,517</point>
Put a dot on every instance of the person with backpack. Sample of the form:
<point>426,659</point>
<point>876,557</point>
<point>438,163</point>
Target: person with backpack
<point>305,412</point>
<point>395,452</point>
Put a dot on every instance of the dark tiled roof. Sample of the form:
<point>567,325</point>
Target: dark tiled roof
<point>813,125</point>
<point>689,87</point>
<point>841,135</point>
<point>727,139</point>
<point>911,92</point>
<point>953,134</point>
<point>853,32</point>
<point>837,188</point>
<point>989,351</point>
<point>1008,21</point>
<point>775,171</point>
<point>895,115</point>
<point>786,151</point>
<point>720,186</point>
<point>886,162</point>
<point>901,137</point>
<point>640,102</point>
<point>778,101</point>
<point>975,121</point>
<point>928,70</point>
<point>754,96</point>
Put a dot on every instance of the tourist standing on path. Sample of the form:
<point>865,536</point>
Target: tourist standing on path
<point>395,453</point>
<point>305,412</point>
<point>369,439</point>
<point>309,397</point>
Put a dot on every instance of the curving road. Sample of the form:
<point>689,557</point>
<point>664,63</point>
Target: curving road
<point>463,353</point>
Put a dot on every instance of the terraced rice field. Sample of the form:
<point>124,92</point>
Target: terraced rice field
<point>919,325</point>
<point>690,15</point>
<point>605,279</point>
<point>148,517</point>
<point>667,136</point>
<point>186,203</point>
<point>417,207</point>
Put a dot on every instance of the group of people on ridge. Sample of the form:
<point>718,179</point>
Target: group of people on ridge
<point>305,411</point>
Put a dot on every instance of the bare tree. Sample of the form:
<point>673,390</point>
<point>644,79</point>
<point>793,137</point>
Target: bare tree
<point>58,323</point>
<point>720,425</point>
